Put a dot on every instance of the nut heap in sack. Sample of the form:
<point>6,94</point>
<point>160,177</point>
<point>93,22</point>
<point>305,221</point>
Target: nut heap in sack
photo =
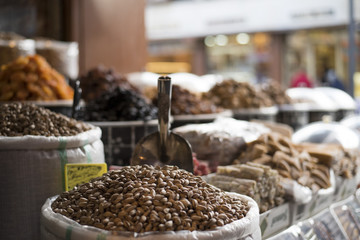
<point>20,119</point>
<point>146,198</point>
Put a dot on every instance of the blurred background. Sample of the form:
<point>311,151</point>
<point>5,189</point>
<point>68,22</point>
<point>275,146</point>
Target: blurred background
<point>242,39</point>
<point>289,70</point>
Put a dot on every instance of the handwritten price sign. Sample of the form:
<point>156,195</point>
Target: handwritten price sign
<point>82,173</point>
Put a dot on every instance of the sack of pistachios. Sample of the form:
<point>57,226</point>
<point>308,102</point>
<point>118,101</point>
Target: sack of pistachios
<point>35,145</point>
<point>149,203</point>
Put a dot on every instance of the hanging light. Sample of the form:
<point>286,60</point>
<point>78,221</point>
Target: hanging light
<point>221,40</point>
<point>243,38</point>
<point>209,41</point>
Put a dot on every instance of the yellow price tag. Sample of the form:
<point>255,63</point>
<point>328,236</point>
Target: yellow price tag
<point>79,173</point>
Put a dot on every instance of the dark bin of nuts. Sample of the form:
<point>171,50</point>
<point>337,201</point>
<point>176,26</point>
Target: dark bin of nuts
<point>316,115</point>
<point>144,199</point>
<point>294,115</point>
<point>119,109</point>
<point>265,113</point>
<point>124,117</point>
<point>344,113</point>
<point>120,138</point>
<point>320,105</point>
<point>345,104</point>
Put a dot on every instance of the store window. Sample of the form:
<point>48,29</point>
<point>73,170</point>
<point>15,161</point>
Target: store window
<point>243,56</point>
<point>170,56</point>
<point>316,52</point>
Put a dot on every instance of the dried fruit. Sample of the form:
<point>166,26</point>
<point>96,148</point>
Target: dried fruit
<point>32,78</point>
<point>119,105</point>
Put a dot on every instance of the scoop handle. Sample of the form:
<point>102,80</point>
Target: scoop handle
<point>164,105</point>
<point>76,100</point>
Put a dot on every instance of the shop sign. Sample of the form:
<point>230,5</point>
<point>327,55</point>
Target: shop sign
<point>183,19</point>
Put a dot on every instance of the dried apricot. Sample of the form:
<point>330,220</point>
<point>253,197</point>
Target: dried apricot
<point>32,78</point>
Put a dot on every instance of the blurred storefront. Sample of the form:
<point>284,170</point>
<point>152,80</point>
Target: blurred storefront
<point>318,50</point>
<point>250,40</point>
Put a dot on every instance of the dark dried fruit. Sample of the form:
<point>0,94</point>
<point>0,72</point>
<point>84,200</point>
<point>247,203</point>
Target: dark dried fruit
<point>119,105</point>
<point>99,80</point>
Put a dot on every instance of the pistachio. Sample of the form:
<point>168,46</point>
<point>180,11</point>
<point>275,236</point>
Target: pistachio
<point>19,119</point>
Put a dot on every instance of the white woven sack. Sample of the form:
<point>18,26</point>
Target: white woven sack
<point>56,226</point>
<point>32,170</point>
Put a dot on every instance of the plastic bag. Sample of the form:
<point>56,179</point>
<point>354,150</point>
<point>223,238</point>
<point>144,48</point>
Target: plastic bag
<point>32,170</point>
<point>57,226</point>
<point>12,49</point>
<point>302,194</point>
<point>63,56</point>
<point>221,141</point>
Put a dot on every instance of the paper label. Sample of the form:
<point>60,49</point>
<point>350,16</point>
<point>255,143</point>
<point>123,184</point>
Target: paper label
<point>79,173</point>
<point>274,220</point>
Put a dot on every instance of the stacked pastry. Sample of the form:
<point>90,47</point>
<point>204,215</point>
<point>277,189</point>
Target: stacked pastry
<point>343,161</point>
<point>280,153</point>
<point>257,181</point>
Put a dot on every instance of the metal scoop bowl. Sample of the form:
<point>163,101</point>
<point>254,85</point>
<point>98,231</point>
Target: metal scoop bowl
<point>163,147</point>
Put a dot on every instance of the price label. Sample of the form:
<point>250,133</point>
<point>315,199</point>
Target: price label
<point>79,173</point>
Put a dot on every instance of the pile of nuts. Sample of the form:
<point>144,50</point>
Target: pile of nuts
<point>184,102</point>
<point>275,91</point>
<point>17,119</point>
<point>146,198</point>
<point>231,94</point>
<point>32,78</point>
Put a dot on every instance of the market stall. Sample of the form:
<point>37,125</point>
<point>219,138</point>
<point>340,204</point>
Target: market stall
<point>264,160</point>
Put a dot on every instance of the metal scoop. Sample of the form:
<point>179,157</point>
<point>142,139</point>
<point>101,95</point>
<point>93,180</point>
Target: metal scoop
<point>163,147</point>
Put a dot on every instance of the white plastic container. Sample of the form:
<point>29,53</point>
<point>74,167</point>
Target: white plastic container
<point>319,103</point>
<point>263,113</point>
<point>12,49</point>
